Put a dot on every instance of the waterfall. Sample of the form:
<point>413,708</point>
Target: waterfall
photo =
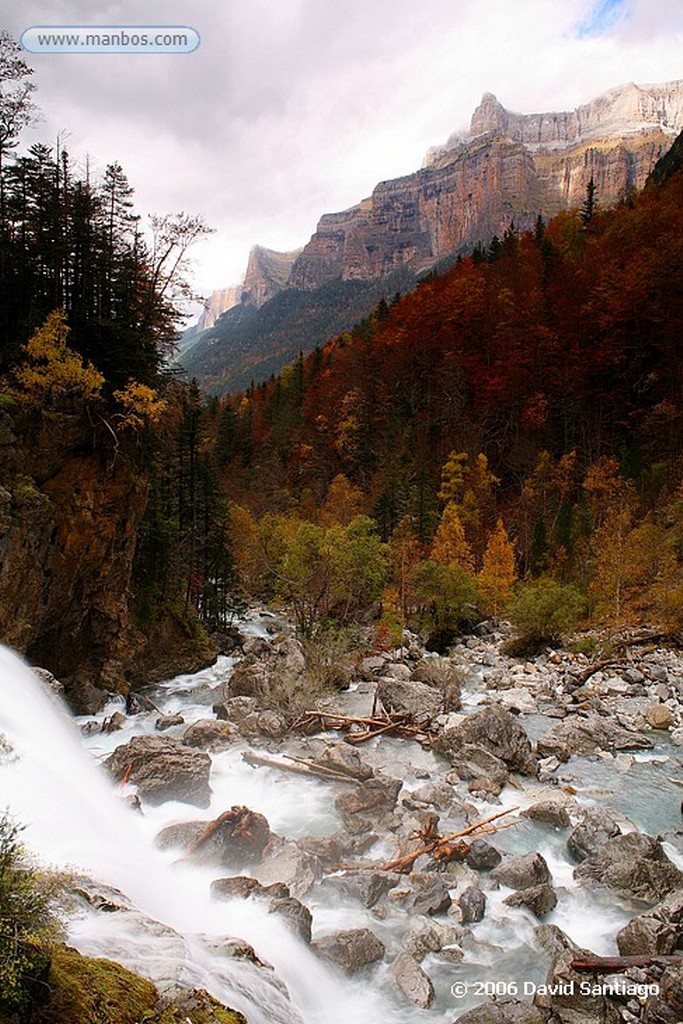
<point>74,819</point>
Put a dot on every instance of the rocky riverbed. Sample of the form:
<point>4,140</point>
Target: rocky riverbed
<point>454,833</point>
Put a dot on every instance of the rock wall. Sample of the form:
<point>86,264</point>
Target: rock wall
<point>509,167</point>
<point>267,274</point>
<point>70,510</point>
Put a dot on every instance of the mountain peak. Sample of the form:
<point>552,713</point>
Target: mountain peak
<point>490,116</point>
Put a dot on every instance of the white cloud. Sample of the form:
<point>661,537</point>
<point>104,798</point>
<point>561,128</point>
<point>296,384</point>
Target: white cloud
<point>292,108</point>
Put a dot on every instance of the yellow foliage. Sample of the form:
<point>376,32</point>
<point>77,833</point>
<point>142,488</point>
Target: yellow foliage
<point>141,405</point>
<point>498,574</point>
<point>244,536</point>
<point>450,545</point>
<point>53,371</point>
<point>342,503</point>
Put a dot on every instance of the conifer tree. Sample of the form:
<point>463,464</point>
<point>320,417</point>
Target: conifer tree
<point>497,575</point>
<point>450,544</point>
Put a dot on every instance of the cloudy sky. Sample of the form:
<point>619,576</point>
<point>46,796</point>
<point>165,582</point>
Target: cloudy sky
<point>292,108</point>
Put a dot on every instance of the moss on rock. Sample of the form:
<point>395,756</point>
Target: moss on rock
<point>83,990</point>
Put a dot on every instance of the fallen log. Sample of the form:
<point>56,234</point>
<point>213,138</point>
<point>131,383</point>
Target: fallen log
<point>303,768</point>
<point>614,964</point>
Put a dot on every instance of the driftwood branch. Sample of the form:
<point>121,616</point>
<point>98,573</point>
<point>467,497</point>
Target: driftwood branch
<point>210,830</point>
<point>438,847</point>
<point>374,726</point>
<point>300,768</point>
<point>613,964</point>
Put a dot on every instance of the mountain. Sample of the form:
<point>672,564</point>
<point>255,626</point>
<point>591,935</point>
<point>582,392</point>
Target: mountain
<point>267,274</point>
<point>216,304</point>
<point>553,351</point>
<point>508,168</point>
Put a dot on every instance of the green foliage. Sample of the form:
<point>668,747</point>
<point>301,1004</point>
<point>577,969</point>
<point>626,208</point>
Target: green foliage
<point>543,612</point>
<point>28,924</point>
<point>329,657</point>
<point>448,597</point>
<point>322,573</point>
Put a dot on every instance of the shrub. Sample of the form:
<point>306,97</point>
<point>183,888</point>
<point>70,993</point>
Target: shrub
<point>543,612</point>
<point>28,923</point>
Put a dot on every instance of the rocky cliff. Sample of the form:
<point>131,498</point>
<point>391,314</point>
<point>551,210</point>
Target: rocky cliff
<point>71,504</point>
<point>508,167</point>
<point>267,274</point>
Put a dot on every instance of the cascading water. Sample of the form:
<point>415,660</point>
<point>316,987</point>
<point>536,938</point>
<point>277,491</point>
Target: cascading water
<point>74,819</point>
<point>172,931</point>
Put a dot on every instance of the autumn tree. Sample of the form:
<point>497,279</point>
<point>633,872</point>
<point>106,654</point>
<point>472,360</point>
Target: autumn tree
<point>498,574</point>
<point>342,502</point>
<point>450,546</point>
<point>52,373</point>
<point>405,552</point>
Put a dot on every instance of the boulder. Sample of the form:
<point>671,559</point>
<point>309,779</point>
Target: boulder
<point>338,847</point>
<point>667,1007</point>
<point>509,1011</point>
<point>659,716</point>
<point>210,734</point>
<point>425,936</point>
<point>235,709</point>
<point>634,865</point>
<point>49,682</point>
<point>496,730</point>
<point>419,702</point>
<point>548,812</point>
<point>361,807</point>
<point>276,677</point>
<point>285,862</point>
<point>539,899</point>
<point>163,769</point>
<point>295,913</point>
<point>277,898</point>
<point>433,794</point>
<point>443,675</point>
<point>114,723</point>
<point>410,979</point>
<point>472,903</point>
<point>482,856</point>
<point>429,895</point>
<point>569,1005</point>
<point>237,838</point>
<point>659,931</point>
<point>345,759</point>
<point>474,762</point>
<point>351,950</point>
<point>577,735</point>
<point>164,722</point>
<point>595,828</point>
<point>522,872</point>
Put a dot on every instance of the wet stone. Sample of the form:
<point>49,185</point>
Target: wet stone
<point>522,872</point>
<point>482,856</point>
<point>539,899</point>
<point>472,903</point>
<point>412,981</point>
<point>352,950</point>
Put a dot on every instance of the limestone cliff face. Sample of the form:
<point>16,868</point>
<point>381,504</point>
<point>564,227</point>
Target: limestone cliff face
<point>267,274</point>
<point>509,167</point>
<point>627,110</point>
<point>218,302</point>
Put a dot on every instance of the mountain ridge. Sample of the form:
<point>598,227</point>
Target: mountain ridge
<point>465,194</point>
